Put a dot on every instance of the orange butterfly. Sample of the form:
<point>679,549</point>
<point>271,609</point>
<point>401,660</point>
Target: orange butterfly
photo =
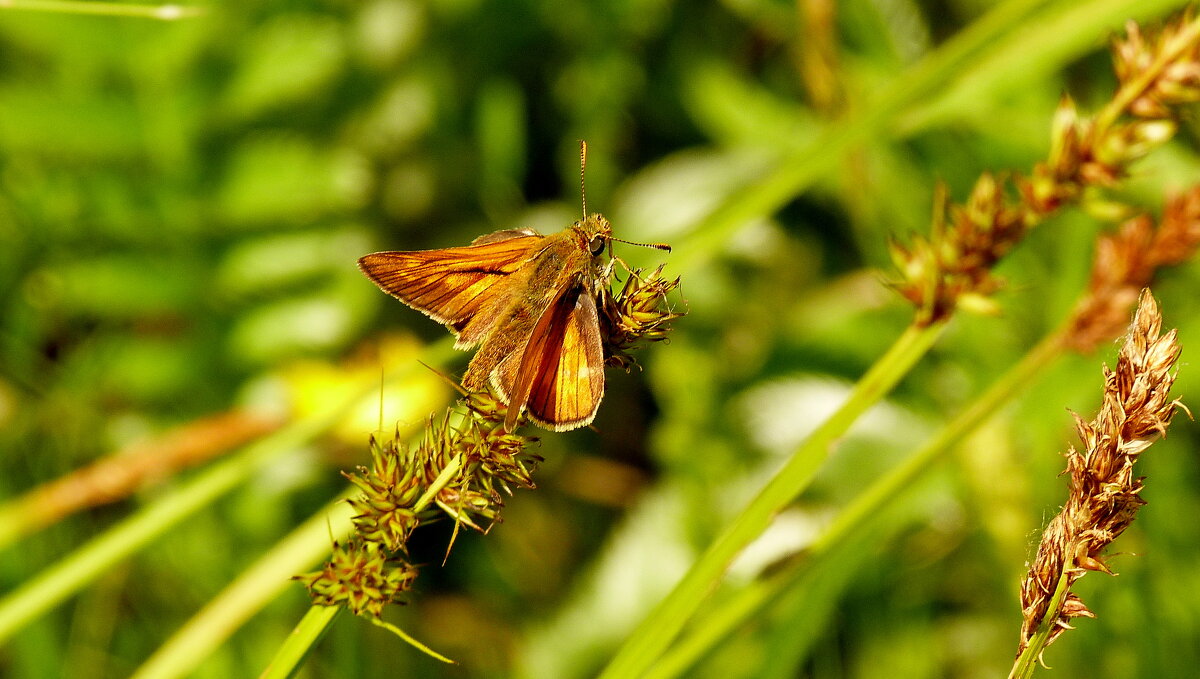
<point>529,301</point>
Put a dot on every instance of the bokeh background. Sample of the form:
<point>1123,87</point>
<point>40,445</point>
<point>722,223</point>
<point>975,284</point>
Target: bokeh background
<point>182,203</point>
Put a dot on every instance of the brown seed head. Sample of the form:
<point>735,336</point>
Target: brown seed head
<point>1125,262</point>
<point>1104,493</point>
<point>1165,67</point>
<point>956,261</point>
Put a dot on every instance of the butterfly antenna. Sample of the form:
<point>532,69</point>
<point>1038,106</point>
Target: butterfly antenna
<point>656,246</point>
<point>582,170</point>
<point>583,197</point>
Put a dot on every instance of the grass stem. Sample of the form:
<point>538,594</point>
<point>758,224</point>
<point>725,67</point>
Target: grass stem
<point>168,12</point>
<point>290,657</point>
<point>1028,661</point>
<point>85,564</point>
<point>864,510</point>
<point>253,589</point>
<point>660,627</point>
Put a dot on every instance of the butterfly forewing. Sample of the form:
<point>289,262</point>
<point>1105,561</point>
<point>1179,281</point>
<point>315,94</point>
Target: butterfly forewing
<point>453,285</point>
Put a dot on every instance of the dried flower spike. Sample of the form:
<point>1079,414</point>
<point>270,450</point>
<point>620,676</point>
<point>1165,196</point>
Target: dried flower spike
<point>1125,262</point>
<point>405,481</point>
<point>1104,493</point>
<point>953,266</point>
<point>1166,63</point>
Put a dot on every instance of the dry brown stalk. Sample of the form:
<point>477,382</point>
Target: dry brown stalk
<point>952,267</point>
<point>817,54</point>
<point>1104,494</point>
<point>120,475</point>
<point>1125,262</point>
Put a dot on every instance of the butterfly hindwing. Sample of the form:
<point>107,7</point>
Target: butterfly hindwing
<point>559,377</point>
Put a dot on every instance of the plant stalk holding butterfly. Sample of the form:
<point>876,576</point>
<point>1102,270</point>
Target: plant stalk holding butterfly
<point>548,321</point>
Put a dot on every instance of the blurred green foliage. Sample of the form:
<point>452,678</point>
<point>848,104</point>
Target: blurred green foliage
<point>182,203</point>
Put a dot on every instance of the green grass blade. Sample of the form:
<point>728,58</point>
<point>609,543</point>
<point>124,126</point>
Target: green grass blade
<point>866,510</point>
<point>301,641</point>
<point>657,630</point>
<point>249,593</point>
<point>797,170</point>
<point>169,12</point>
<point>84,565</point>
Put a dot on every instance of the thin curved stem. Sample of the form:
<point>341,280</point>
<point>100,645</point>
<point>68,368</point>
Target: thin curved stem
<point>253,589</point>
<point>168,12</point>
<point>657,630</point>
<point>797,170</point>
<point>291,654</point>
<point>1028,661</point>
<point>863,511</point>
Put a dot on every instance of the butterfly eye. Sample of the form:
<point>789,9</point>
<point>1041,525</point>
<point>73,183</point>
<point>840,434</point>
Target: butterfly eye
<point>597,245</point>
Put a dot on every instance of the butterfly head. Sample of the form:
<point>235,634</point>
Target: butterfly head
<point>595,233</point>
